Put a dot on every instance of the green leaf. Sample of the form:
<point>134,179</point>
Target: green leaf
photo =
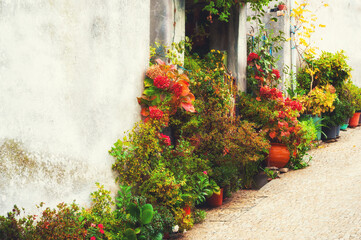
<point>133,210</point>
<point>130,234</point>
<point>150,91</point>
<point>147,216</point>
<point>147,207</point>
<point>148,82</point>
<point>159,236</point>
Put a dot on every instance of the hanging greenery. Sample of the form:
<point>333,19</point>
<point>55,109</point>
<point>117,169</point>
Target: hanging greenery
<point>222,8</point>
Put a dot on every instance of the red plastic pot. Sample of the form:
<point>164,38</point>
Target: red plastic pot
<point>215,200</point>
<point>282,7</point>
<point>278,155</point>
<point>354,120</point>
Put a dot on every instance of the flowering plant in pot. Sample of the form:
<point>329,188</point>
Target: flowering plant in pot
<point>283,127</point>
<point>282,6</point>
<point>319,100</point>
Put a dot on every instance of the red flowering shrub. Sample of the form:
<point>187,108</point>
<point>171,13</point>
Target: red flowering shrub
<point>161,82</point>
<point>295,105</point>
<point>167,89</point>
<point>270,93</point>
<point>156,113</point>
<point>252,56</point>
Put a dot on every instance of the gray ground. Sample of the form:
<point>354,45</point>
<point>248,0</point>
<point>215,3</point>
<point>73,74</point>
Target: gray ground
<point>322,201</point>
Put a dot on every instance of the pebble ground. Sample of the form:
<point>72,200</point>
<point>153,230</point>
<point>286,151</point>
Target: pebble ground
<point>322,201</point>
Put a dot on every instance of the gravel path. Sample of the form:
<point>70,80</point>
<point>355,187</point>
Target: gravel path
<point>322,201</point>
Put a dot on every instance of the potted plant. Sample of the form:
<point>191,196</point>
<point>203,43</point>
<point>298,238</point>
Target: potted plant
<point>319,100</point>
<point>333,120</point>
<point>355,99</point>
<point>282,6</point>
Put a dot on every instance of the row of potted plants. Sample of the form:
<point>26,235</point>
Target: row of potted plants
<point>199,140</point>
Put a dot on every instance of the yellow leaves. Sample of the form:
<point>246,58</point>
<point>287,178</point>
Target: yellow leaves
<point>303,41</point>
<point>321,25</point>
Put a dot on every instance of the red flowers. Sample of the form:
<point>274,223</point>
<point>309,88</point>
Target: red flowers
<point>177,89</point>
<point>271,93</point>
<point>281,114</point>
<point>93,238</point>
<point>252,56</point>
<point>165,139</point>
<point>161,82</point>
<point>276,73</point>
<point>295,105</point>
<point>156,113</point>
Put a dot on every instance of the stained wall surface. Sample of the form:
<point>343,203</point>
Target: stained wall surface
<point>342,31</point>
<point>70,72</point>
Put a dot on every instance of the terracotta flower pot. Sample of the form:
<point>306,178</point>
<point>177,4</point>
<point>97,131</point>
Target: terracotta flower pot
<point>278,155</point>
<point>215,200</point>
<point>354,120</point>
<point>282,7</point>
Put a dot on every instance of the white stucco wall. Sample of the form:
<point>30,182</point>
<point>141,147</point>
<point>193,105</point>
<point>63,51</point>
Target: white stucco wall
<point>70,72</point>
<point>343,30</point>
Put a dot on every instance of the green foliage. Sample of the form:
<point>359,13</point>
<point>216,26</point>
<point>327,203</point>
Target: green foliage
<point>222,8</point>
<point>102,201</point>
<point>270,173</point>
<point>351,93</point>
<point>343,110</point>
<point>319,100</point>
<point>259,71</point>
<point>258,112</point>
<point>199,215</point>
<point>203,188</point>
<point>308,133</point>
<point>329,68</point>
<point>162,188</point>
<point>15,227</point>
<point>138,154</point>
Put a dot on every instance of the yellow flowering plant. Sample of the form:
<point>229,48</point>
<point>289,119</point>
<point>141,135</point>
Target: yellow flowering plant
<point>319,100</point>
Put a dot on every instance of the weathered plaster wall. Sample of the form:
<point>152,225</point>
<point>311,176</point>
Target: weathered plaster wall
<point>343,30</point>
<point>70,72</point>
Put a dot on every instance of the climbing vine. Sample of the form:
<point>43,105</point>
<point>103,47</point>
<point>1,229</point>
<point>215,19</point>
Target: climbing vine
<point>222,8</point>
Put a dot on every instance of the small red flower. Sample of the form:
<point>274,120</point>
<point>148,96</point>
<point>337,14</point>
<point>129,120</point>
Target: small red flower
<point>252,56</point>
<point>165,139</point>
<point>161,82</point>
<point>101,231</point>
<point>93,238</point>
<point>100,226</point>
<point>156,113</point>
<point>276,73</point>
<point>205,172</point>
<point>281,114</point>
<point>225,151</point>
<point>259,79</point>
